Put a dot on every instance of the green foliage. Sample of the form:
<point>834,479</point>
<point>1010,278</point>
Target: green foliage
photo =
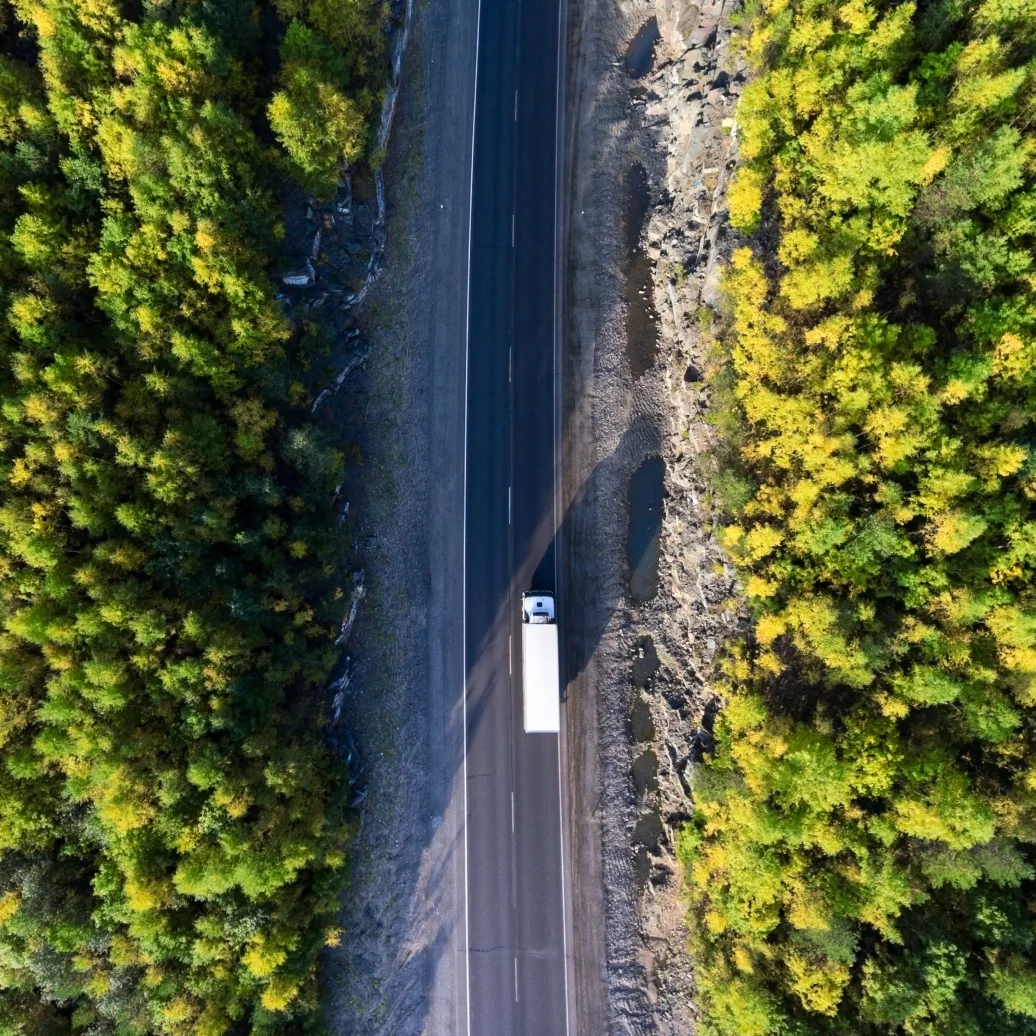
<point>321,113</point>
<point>862,860</point>
<point>172,821</point>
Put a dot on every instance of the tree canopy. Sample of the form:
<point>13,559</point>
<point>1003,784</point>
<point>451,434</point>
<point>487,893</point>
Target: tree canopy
<point>862,856</point>
<point>172,818</point>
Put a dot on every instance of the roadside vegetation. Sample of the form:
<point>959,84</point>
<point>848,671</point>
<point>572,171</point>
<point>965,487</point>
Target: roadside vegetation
<point>172,820</point>
<point>862,858</point>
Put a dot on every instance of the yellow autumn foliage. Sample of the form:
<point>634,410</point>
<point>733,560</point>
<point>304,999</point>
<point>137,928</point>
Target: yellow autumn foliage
<point>871,790</point>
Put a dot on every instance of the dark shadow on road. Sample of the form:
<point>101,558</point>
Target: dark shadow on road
<point>587,603</point>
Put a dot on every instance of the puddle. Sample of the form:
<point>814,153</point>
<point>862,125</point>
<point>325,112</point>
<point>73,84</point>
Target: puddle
<point>645,662</point>
<point>646,488</point>
<point>643,724</point>
<point>640,54</point>
<point>648,831</point>
<point>641,315</point>
<point>645,770</point>
<point>704,742</point>
<point>638,197</point>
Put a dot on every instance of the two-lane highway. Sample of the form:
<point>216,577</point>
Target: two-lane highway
<point>516,850</point>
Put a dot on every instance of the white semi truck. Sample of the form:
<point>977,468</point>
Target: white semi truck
<point>541,683</point>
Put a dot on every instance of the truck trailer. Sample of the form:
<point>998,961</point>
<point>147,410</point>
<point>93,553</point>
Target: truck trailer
<point>541,683</point>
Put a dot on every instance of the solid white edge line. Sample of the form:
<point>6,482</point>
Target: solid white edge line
<point>464,533</point>
<point>559,160</point>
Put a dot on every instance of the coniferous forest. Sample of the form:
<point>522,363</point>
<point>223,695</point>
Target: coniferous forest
<point>862,861</point>
<point>171,816</point>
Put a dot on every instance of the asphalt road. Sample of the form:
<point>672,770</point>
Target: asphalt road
<point>519,944</point>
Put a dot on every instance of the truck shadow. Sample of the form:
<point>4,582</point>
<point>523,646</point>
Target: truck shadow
<point>593,578</point>
<point>600,552</point>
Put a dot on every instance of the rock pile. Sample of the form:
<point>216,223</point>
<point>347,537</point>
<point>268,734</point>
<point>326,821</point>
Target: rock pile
<point>689,103</point>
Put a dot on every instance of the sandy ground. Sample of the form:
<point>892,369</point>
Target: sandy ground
<point>611,426</point>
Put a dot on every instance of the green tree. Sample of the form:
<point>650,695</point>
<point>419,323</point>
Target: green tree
<point>173,820</point>
<point>321,124</point>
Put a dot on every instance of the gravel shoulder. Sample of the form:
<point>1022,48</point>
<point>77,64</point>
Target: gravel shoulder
<point>400,967</point>
<point>630,747</point>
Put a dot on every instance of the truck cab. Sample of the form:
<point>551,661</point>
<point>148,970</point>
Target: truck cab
<point>538,608</point>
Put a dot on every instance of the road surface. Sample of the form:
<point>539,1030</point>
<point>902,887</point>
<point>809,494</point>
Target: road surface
<point>519,942</point>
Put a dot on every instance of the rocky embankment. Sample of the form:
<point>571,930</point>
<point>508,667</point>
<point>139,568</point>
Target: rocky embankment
<point>651,140</point>
<point>687,103</point>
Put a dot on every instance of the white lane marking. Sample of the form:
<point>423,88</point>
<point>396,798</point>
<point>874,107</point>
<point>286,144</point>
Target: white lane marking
<point>508,505</point>
<point>512,812</point>
<point>510,663</point>
<point>512,230</point>
<point>464,534</point>
<point>516,980</point>
<point>516,106</point>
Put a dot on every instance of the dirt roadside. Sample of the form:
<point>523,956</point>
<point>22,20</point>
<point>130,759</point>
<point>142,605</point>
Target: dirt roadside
<point>400,967</point>
<point>638,698</point>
